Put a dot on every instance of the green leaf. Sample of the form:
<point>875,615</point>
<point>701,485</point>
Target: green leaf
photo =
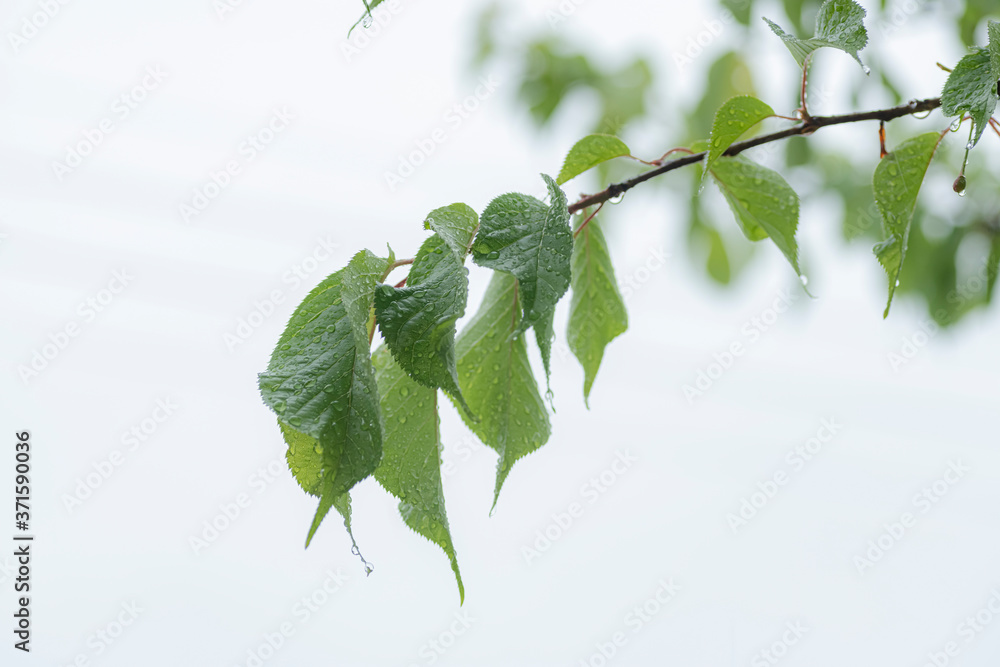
<point>418,321</point>
<point>731,120</point>
<point>597,311</point>
<point>589,152</point>
<point>993,28</point>
<point>896,183</point>
<point>305,460</point>
<point>304,457</point>
<point>839,25</point>
<point>992,268</point>
<point>497,380</point>
<point>544,335</point>
<point>320,379</point>
<point>369,6</point>
<point>456,224</point>
<point>763,203</point>
<point>520,235</point>
<point>411,464</point>
<point>971,89</point>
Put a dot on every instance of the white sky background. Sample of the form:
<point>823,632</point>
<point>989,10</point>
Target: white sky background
<point>161,338</point>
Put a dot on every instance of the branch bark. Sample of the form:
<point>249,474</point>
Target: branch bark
<point>808,125</point>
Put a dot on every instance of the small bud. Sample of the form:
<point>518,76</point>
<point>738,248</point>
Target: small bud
<point>959,184</point>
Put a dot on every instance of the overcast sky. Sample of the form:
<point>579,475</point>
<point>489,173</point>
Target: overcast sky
<point>232,159</point>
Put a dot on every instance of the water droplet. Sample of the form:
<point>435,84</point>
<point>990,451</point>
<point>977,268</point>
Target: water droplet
<point>279,407</point>
<point>367,21</point>
<point>969,146</point>
<point>318,449</point>
<point>295,421</point>
<point>402,419</point>
<point>405,391</point>
<point>804,280</point>
<point>331,328</point>
<point>897,283</point>
<point>867,69</point>
<point>957,124</point>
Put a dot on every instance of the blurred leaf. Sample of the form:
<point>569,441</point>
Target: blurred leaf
<point>717,263</point>
<point>728,77</point>
<point>741,9</point>
<point>992,267</point>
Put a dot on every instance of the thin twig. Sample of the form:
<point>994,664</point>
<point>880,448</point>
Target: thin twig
<point>802,129</point>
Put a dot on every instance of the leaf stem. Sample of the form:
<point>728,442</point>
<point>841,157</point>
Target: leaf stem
<point>804,128</point>
<point>589,218</point>
<point>395,265</point>
<point>804,110</point>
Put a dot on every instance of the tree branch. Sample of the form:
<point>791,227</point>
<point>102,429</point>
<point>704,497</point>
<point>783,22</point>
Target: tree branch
<point>806,127</point>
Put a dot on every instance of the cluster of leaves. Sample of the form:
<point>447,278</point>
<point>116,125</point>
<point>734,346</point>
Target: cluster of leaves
<point>347,413</point>
<point>943,244</point>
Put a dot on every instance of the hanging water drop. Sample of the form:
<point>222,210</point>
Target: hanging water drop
<point>867,69</point>
<point>367,21</point>
<point>957,124</point>
<point>804,280</point>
